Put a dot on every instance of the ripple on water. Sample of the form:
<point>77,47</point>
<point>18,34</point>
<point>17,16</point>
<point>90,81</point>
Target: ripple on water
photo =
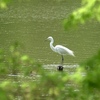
<point>67,67</point>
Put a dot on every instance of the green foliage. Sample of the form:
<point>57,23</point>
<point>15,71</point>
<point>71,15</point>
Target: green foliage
<point>93,72</point>
<point>23,78</point>
<point>90,84</point>
<point>3,3</point>
<point>17,73</point>
<point>90,10</point>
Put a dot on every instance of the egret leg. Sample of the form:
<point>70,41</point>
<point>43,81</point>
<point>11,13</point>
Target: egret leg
<point>60,67</point>
<point>62,59</point>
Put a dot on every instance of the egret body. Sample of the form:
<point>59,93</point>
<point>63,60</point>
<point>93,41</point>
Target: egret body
<point>60,49</point>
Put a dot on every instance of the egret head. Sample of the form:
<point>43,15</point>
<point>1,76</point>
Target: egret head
<point>50,38</point>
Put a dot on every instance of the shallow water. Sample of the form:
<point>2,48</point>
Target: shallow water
<point>68,68</point>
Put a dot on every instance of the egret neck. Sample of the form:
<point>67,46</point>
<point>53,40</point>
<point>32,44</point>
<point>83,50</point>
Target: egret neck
<point>51,45</point>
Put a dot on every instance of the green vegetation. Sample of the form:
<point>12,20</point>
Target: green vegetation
<point>25,79</point>
<point>4,3</point>
<point>90,9</point>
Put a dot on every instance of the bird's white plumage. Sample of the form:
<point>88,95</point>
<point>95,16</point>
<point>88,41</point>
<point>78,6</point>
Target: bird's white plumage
<point>59,48</point>
<point>63,50</point>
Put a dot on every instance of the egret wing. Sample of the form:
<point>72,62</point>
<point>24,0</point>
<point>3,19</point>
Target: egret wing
<point>63,50</point>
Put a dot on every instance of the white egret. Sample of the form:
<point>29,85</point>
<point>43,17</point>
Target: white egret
<point>60,50</point>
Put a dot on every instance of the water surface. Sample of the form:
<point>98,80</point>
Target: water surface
<point>31,22</point>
